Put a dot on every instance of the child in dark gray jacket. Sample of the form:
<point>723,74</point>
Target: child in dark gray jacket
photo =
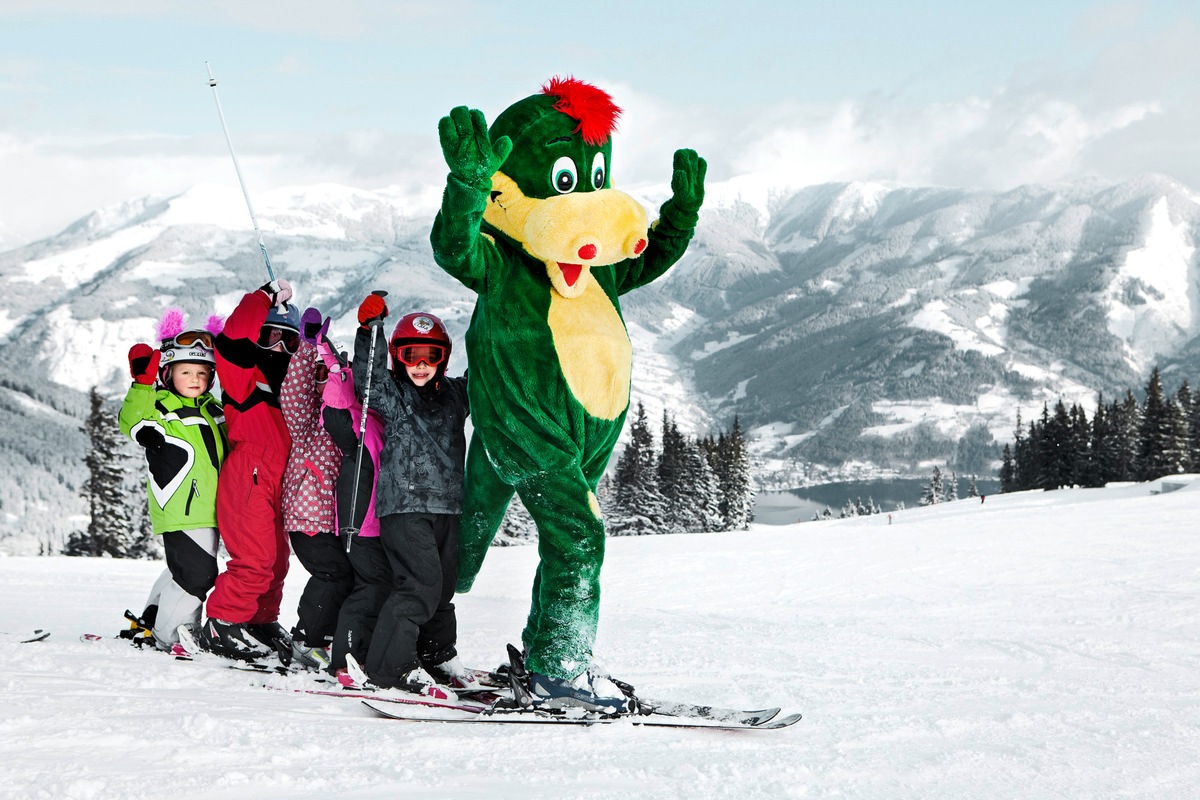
<point>418,499</point>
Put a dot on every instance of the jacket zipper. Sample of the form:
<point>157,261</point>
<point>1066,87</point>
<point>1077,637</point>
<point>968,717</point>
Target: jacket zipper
<point>187,508</point>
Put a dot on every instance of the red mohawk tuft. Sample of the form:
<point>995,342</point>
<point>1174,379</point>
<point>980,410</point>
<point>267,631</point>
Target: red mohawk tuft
<point>592,108</point>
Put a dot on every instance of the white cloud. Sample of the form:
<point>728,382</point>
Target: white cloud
<point>1124,103</point>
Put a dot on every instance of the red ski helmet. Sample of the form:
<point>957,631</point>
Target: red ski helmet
<point>423,330</point>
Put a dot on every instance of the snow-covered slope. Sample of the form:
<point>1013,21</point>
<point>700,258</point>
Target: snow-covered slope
<point>1035,645</point>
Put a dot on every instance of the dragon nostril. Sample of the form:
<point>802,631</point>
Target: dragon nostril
<point>587,252</point>
<point>639,247</point>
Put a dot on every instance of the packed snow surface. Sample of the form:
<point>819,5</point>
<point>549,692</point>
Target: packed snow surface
<point>1031,645</point>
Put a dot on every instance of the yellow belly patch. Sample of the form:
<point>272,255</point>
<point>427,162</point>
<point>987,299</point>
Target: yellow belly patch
<point>593,350</point>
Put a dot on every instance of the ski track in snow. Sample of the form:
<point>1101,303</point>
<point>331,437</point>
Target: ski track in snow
<point>1035,645</point>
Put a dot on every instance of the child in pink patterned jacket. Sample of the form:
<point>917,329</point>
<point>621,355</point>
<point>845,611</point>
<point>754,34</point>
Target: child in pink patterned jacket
<point>308,500</point>
<point>342,416</point>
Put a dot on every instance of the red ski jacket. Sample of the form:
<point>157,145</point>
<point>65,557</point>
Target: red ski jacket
<point>250,378</point>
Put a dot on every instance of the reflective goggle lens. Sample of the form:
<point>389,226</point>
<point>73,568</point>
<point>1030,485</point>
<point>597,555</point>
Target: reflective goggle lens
<point>189,338</point>
<point>270,336</point>
<point>413,354</point>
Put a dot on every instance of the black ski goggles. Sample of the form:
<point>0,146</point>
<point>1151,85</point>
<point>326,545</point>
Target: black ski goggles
<point>271,335</point>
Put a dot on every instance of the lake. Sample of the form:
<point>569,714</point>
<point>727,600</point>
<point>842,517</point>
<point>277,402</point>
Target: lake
<point>799,505</point>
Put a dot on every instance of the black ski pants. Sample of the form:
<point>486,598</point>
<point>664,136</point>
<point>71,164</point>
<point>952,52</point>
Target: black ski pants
<point>416,625</point>
<point>330,583</point>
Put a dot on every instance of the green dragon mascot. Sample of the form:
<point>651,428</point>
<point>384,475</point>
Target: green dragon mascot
<point>530,222</point>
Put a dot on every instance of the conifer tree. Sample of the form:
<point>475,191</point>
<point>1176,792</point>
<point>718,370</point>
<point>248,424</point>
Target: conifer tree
<point>952,487</point>
<point>931,494</point>
<point>1176,453</point>
<point>1081,441</point>
<point>704,490</point>
<point>1008,475</point>
<point>1194,431</point>
<point>1093,472</point>
<point>1056,450</point>
<point>1125,422</point>
<point>973,488</point>
<point>1181,425</point>
<point>111,530</point>
<point>640,506</point>
<point>680,514</point>
<point>1154,436</point>
<point>1025,456</point>
<point>736,486</point>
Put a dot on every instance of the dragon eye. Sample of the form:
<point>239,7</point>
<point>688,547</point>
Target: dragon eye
<point>599,174</point>
<point>563,175</point>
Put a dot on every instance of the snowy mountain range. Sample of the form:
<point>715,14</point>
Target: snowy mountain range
<point>851,327</point>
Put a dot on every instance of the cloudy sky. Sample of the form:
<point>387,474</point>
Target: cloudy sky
<point>102,102</point>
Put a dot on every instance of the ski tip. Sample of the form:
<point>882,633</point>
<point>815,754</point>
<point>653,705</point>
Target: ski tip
<point>780,722</point>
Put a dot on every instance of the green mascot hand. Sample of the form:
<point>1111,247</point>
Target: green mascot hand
<point>470,154</point>
<point>687,188</point>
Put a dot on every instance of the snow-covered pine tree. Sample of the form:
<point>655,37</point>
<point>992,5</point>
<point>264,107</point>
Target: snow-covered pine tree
<point>640,508</point>
<point>1091,474</point>
<point>704,490</point>
<point>1155,434</point>
<point>1125,420</point>
<point>952,487</point>
<point>680,514</point>
<point>1057,449</point>
<point>931,494</point>
<point>111,530</point>
<point>1025,467</point>
<point>736,485</point>
<point>1194,430</point>
<point>1081,439</point>
<point>1176,452</point>
<point>973,488</point>
<point>1181,409</point>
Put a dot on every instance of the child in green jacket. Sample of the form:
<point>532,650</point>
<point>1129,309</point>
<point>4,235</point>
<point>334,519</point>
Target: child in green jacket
<point>182,428</point>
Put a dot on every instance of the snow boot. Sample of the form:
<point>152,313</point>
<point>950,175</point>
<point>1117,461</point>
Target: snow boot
<point>591,693</point>
<point>313,659</point>
<point>418,681</point>
<point>415,681</point>
<point>139,631</point>
<point>454,674</point>
<point>231,640</point>
<point>274,636</point>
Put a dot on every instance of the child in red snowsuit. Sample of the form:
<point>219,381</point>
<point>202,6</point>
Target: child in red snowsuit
<point>253,352</point>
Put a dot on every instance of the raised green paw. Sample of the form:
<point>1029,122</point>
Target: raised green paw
<point>470,154</point>
<point>687,181</point>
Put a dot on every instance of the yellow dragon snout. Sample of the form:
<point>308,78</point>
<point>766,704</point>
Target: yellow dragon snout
<point>572,232</point>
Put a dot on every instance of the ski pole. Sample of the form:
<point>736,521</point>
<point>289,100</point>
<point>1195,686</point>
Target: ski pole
<point>212,82</point>
<point>348,531</point>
